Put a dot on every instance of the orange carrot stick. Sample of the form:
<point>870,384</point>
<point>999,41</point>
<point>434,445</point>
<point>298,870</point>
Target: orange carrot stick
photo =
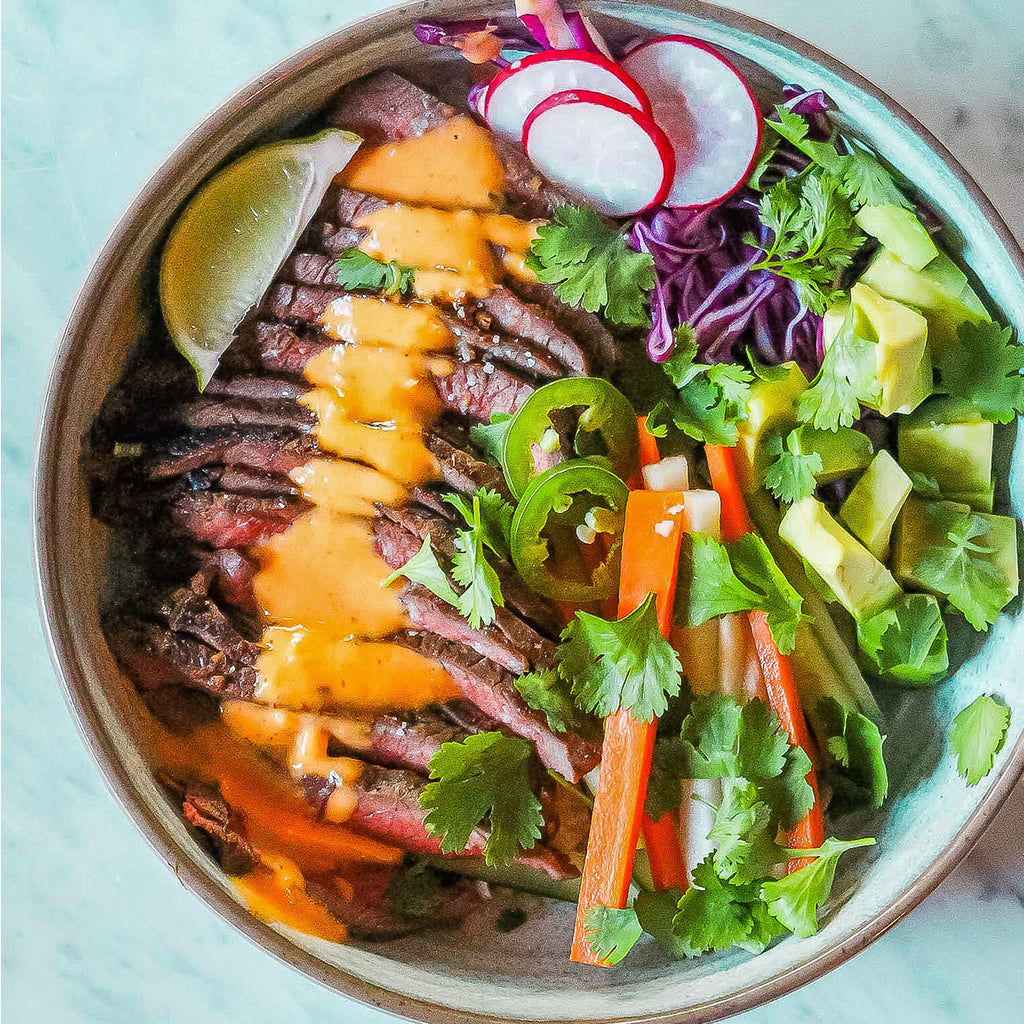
<point>650,564</point>
<point>777,668</point>
<point>648,444</point>
<point>664,851</point>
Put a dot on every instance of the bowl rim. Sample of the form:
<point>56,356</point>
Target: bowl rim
<point>59,639</point>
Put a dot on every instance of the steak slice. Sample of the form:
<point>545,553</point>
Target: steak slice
<point>525,320</point>
<point>213,411</point>
<point>221,831</point>
<point>514,352</point>
<point>407,739</point>
<point>154,656</point>
<point>479,390</point>
<point>274,347</point>
<point>266,449</point>
<point>189,610</point>
<point>299,303</point>
<point>232,520</point>
<point>256,388</point>
<point>389,807</point>
<point>461,471</point>
<point>491,689</point>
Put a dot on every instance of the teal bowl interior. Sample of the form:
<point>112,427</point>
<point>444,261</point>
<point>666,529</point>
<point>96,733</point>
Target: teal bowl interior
<point>931,816</point>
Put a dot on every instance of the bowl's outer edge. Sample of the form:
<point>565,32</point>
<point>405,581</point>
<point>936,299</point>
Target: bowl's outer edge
<point>61,642</point>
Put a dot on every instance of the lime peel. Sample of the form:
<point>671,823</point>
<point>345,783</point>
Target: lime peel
<point>229,242</point>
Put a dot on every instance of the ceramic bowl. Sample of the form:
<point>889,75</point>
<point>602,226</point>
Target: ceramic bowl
<point>930,820</point>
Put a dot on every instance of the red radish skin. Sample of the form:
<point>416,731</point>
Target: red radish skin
<point>706,108</point>
<point>516,90</point>
<point>607,152</point>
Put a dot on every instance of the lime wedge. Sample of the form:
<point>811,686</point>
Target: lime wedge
<point>230,241</point>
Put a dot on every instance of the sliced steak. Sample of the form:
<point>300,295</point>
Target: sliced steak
<point>408,739</point>
<point>461,471</point>
<point>381,903</point>
<point>389,807</point>
<point>189,610</point>
<point>221,831</point>
<point>257,389</point>
<point>472,339</point>
<point>525,320</point>
<point>479,390</point>
<point>299,303</point>
<point>153,656</point>
<point>587,328</point>
<point>266,449</point>
<point>243,480</point>
<point>232,520</point>
<point>274,347</point>
<point>231,577</point>
<point>491,689</point>
<point>213,411</point>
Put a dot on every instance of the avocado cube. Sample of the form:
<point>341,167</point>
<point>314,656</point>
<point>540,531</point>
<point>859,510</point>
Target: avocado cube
<point>843,451</point>
<point>916,532</point>
<point>771,406</point>
<point>859,580</point>
<point>956,454</point>
<point>874,503</point>
<point>832,322</point>
<point>900,231</point>
<point>940,290</point>
<point>903,365</point>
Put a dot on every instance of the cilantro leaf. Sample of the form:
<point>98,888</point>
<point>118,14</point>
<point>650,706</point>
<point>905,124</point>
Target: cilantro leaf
<point>984,366</point>
<point>742,576</point>
<point>957,567</point>
<point>905,642</point>
<point>789,794</point>
<point>790,476</point>
<point>611,932</point>
<point>495,518</point>
<point>860,778</point>
<point>977,735</point>
<point>486,776</point>
<point>709,397</point>
<point>423,568</point>
<point>356,270</point>
<point>592,266</point>
<point>814,235</point>
<point>924,485</point>
<point>864,180</point>
<point>490,437</point>
<point>846,378</point>
<point>713,913</point>
<point>795,899</point>
<point>656,911</point>
<point>745,849</point>
<point>626,664</point>
<point>472,571</point>
<point>545,691</point>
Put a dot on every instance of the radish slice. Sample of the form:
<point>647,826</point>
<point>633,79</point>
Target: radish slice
<point>706,109</point>
<point>610,153</point>
<point>516,90</point>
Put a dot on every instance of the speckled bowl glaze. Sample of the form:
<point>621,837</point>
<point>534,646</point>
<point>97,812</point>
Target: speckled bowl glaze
<point>930,820</point>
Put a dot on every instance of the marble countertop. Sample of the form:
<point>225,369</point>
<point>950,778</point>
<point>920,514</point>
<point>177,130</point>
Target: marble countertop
<point>95,93</point>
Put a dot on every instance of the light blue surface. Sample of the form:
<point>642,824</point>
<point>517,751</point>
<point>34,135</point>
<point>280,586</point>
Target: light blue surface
<point>94,95</point>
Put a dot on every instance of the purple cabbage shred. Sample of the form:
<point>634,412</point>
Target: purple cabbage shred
<point>515,41</point>
<point>705,278</point>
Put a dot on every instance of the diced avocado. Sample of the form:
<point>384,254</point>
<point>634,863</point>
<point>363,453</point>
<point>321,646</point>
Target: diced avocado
<point>980,501</point>
<point>903,364</point>
<point>874,503</point>
<point>771,406</point>
<point>832,322</point>
<point>956,454</point>
<point>915,534</point>
<point>907,642</point>
<point>940,291</point>
<point>859,580</point>
<point>899,230</point>
<point>843,451</point>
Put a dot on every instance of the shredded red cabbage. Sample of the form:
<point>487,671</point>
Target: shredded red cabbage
<point>704,279</point>
<point>511,42</point>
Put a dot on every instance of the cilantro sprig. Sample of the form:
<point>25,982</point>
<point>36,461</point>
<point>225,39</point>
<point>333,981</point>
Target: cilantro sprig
<point>485,778</point>
<point>814,236</point>
<point>709,398</point>
<point>546,691</point>
<point>488,521</point>
<point>977,735</point>
<point>985,367</point>
<point>790,475</point>
<point>957,566</point>
<point>592,267</point>
<point>611,932</point>
<point>356,270</point>
<point>846,378</point>
<point>620,665</point>
<point>741,576</point>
